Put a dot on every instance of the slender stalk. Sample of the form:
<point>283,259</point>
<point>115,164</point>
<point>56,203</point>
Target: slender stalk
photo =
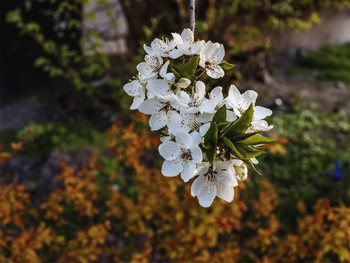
<point>192,15</point>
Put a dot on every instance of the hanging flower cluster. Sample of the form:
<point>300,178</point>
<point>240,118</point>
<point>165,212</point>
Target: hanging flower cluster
<point>207,136</point>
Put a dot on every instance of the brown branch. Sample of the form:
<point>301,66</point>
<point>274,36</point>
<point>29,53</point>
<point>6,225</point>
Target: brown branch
<point>192,15</point>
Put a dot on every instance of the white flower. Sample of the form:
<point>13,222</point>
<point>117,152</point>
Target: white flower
<point>152,67</point>
<point>167,86</point>
<point>136,89</point>
<point>216,100</point>
<point>161,110</point>
<point>209,107</point>
<point>192,103</point>
<point>217,180</point>
<point>163,48</point>
<point>181,156</point>
<point>210,57</point>
<point>241,170</point>
<point>240,103</point>
<point>186,44</point>
<point>187,122</point>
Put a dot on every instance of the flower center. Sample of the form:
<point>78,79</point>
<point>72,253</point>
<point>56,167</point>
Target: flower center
<point>194,125</point>
<point>209,63</point>
<point>186,154</point>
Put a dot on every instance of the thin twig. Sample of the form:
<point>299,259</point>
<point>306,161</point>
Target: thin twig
<point>192,15</point>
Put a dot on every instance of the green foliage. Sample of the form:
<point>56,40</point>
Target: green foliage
<point>220,115</point>
<point>210,142</point>
<point>240,125</point>
<point>332,62</point>
<point>316,141</point>
<point>59,59</point>
<point>226,66</point>
<point>40,139</point>
<point>256,139</point>
<point>225,139</point>
<point>188,69</point>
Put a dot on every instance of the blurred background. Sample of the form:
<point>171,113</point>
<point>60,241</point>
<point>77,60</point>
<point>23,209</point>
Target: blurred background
<point>80,173</point>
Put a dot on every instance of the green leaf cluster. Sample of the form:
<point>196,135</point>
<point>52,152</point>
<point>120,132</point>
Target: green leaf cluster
<point>225,139</point>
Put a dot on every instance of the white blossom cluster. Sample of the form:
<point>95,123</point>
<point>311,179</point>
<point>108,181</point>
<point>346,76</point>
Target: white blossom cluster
<point>168,88</point>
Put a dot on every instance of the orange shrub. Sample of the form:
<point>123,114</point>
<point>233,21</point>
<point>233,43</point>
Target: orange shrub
<point>94,217</point>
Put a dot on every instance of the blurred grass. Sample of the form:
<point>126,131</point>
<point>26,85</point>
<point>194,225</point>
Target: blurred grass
<point>332,62</point>
<point>41,138</point>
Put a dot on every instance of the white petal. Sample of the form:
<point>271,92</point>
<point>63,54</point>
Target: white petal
<point>220,54</point>
<point>196,154</point>
<point>234,96</point>
<point>215,72</point>
<point>183,83</point>
<point>230,116</point>
<point>226,192</point>
<point>236,162</point>
<point>169,150</point>
<point>175,53</point>
<point>172,168</point>
<point>208,50</point>
<point>150,106</point>
<point>134,88</point>
<point>148,49</point>
<point>206,198</point>
<point>197,47</point>
<point>216,95</point>
<point>170,44</point>
<point>188,171</point>
<point>202,168</point>
<point>184,140</point>
<point>158,86</point>
<point>154,61</point>
<point>261,113</point>
<point>164,69</point>
<point>204,128</point>
<point>197,138</point>
<point>175,125</point>
<point>137,101</point>
<point>227,179</point>
<point>241,172</point>
<point>170,78</point>
<point>254,160</point>
<point>205,117</point>
<point>198,186</point>
<point>200,89</point>
<point>207,106</point>
<point>165,138</point>
<point>260,125</point>
<point>187,35</point>
<point>177,38</point>
<point>145,69</point>
<point>248,97</point>
<point>158,120</point>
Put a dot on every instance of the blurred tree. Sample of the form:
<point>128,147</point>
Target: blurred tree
<point>242,25</point>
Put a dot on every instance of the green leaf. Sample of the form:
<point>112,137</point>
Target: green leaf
<point>41,61</point>
<point>177,74</point>
<point>232,147</point>
<point>247,152</point>
<point>223,125</point>
<point>210,142</point>
<point>189,68</point>
<point>251,165</point>
<point>226,66</point>
<point>13,16</point>
<point>240,125</point>
<point>220,115</point>
<point>257,139</point>
<point>242,136</point>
